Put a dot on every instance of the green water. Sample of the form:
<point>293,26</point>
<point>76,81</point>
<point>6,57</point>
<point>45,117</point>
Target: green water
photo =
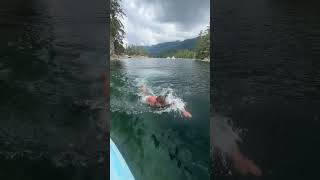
<point>155,144</point>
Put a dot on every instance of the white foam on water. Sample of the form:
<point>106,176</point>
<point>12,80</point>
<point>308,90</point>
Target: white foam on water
<point>224,137</point>
<point>177,104</point>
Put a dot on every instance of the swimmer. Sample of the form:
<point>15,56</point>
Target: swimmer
<point>160,102</point>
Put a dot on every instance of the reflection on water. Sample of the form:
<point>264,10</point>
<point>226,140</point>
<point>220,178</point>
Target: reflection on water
<point>52,107</point>
<point>161,144</point>
<point>266,80</point>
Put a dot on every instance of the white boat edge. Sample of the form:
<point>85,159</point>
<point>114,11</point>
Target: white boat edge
<point>119,169</point>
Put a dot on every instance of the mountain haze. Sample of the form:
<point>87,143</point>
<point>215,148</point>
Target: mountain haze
<point>169,48</point>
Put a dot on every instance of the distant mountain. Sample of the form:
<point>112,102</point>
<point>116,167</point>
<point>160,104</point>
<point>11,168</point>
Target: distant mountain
<point>169,48</point>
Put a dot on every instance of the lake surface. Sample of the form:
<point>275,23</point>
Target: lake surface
<point>52,112</point>
<point>266,80</point>
<point>160,144</point>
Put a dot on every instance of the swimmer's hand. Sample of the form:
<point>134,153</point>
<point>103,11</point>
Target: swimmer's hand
<point>142,88</point>
<point>186,114</point>
<point>244,165</point>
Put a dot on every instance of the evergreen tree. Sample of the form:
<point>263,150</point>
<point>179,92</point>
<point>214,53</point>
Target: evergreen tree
<point>117,32</point>
<point>203,44</point>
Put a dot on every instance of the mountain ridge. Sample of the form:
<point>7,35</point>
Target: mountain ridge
<point>168,48</point>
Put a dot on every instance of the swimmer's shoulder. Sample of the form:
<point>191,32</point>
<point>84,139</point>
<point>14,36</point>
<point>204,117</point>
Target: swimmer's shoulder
<point>149,99</point>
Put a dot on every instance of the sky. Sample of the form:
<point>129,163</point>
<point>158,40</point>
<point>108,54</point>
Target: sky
<point>149,22</point>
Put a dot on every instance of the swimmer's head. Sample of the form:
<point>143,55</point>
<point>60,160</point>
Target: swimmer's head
<point>161,101</point>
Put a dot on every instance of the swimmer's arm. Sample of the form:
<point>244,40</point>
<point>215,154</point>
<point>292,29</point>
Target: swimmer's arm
<point>183,111</point>
<point>186,114</point>
<point>144,90</point>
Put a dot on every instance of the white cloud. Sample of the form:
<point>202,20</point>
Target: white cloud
<point>150,22</point>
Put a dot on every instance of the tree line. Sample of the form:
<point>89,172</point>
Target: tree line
<point>135,50</point>
<point>201,50</point>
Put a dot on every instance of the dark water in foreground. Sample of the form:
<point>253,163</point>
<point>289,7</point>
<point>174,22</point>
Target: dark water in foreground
<point>161,145</point>
<point>52,118</point>
<point>266,79</point>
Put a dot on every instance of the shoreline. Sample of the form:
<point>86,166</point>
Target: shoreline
<point>205,60</point>
<point>119,57</point>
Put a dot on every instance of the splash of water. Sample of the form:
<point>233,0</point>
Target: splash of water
<point>176,103</point>
<point>224,137</point>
